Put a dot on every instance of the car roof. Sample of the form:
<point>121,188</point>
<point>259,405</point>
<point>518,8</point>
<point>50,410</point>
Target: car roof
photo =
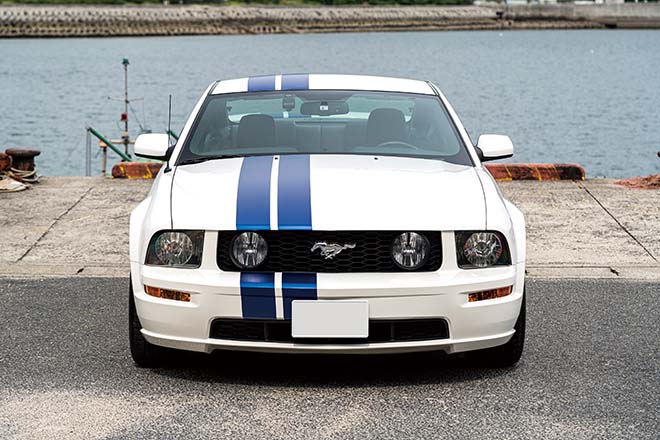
<point>306,81</point>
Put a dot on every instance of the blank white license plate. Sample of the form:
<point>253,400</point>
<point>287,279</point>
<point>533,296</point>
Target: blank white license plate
<point>329,319</point>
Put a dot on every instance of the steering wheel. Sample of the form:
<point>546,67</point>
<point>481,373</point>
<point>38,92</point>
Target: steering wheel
<point>398,143</point>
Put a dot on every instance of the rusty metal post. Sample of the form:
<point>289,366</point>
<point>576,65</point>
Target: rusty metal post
<point>88,153</point>
<point>126,103</point>
<point>104,157</point>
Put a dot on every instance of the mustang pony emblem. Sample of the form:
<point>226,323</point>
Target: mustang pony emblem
<point>329,250</point>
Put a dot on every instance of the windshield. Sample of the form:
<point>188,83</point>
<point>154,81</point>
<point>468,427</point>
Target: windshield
<point>324,122</point>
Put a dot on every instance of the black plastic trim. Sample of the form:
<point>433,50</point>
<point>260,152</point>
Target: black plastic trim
<point>380,331</point>
<point>290,251</point>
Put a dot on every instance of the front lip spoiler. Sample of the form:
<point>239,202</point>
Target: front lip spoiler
<point>208,345</point>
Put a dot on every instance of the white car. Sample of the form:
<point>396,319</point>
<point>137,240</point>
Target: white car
<point>326,214</point>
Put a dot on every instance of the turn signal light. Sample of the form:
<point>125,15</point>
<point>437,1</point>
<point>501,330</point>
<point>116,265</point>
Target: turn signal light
<point>490,294</point>
<point>167,294</point>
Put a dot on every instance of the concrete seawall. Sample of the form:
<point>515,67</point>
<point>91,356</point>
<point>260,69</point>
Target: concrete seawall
<point>100,21</point>
<point>625,15</point>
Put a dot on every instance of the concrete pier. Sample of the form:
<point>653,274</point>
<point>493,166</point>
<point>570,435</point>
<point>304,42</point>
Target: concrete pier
<point>138,20</point>
<point>78,226</point>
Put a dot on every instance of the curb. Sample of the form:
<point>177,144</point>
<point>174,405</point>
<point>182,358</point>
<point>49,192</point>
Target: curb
<point>536,171</point>
<point>136,170</point>
<point>644,182</point>
<point>509,171</point>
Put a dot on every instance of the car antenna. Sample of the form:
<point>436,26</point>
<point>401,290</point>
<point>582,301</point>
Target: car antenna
<point>169,132</point>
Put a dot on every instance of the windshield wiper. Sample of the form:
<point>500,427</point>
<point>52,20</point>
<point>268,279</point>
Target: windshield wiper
<point>205,158</point>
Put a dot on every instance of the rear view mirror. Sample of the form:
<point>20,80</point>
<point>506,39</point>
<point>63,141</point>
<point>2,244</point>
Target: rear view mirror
<point>153,146</point>
<point>494,146</point>
<point>324,108</point>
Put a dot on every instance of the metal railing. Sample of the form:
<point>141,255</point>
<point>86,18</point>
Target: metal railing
<point>104,144</point>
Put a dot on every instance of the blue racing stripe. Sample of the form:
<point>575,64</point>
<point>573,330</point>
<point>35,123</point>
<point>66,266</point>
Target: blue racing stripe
<point>297,285</point>
<point>258,295</point>
<point>264,83</point>
<point>295,82</point>
<point>253,199</point>
<point>294,204</point>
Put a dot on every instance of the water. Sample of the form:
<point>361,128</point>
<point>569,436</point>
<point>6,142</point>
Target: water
<point>585,96</point>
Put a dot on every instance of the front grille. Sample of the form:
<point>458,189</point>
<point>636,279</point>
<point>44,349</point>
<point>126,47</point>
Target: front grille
<point>379,331</point>
<point>290,251</point>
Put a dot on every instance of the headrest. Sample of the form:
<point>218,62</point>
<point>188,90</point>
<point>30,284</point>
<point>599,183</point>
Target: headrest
<point>256,131</point>
<point>385,125</point>
<point>424,114</point>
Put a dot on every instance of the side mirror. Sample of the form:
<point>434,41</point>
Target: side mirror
<point>493,147</point>
<point>153,146</point>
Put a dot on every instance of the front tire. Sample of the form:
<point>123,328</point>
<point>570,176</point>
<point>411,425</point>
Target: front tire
<point>144,353</point>
<point>509,354</point>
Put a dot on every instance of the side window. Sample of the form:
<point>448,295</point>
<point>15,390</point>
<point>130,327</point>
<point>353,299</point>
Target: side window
<point>213,133</point>
<point>430,128</point>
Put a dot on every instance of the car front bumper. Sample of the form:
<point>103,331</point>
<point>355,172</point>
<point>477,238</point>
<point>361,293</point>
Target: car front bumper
<point>442,294</point>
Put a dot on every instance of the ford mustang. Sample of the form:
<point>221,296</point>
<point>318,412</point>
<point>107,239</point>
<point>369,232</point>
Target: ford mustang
<point>326,214</point>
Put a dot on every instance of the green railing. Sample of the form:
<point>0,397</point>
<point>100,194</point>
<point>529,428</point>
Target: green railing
<point>88,164</point>
<point>125,157</point>
<point>110,145</point>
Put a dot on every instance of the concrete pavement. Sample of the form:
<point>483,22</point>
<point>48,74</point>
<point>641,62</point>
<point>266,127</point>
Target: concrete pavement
<point>590,370</point>
<point>78,226</point>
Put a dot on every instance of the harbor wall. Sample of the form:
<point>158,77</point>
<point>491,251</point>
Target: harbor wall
<point>623,15</point>
<point>134,20</point>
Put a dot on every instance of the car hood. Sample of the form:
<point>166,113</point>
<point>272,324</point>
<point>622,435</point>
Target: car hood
<point>327,192</point>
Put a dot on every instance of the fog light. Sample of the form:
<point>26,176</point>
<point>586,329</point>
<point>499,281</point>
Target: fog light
<point>490,294</point>
<point>167,294</point>
<point>410,250</point>
<point>248,250</point>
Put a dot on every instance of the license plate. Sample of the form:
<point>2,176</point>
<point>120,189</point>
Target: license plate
<point>329,319</point>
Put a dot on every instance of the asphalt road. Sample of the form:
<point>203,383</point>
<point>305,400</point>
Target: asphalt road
<point>591,369</point>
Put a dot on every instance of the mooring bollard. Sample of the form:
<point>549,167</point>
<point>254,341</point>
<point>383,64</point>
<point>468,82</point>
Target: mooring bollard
<point>23,158</point>
<point>5,162</point>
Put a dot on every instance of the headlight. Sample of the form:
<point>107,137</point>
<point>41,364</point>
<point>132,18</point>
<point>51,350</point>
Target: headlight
<point>176,249</point>
<point>410,250</point>
<point>248,250</point>
<point>481,249</point>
